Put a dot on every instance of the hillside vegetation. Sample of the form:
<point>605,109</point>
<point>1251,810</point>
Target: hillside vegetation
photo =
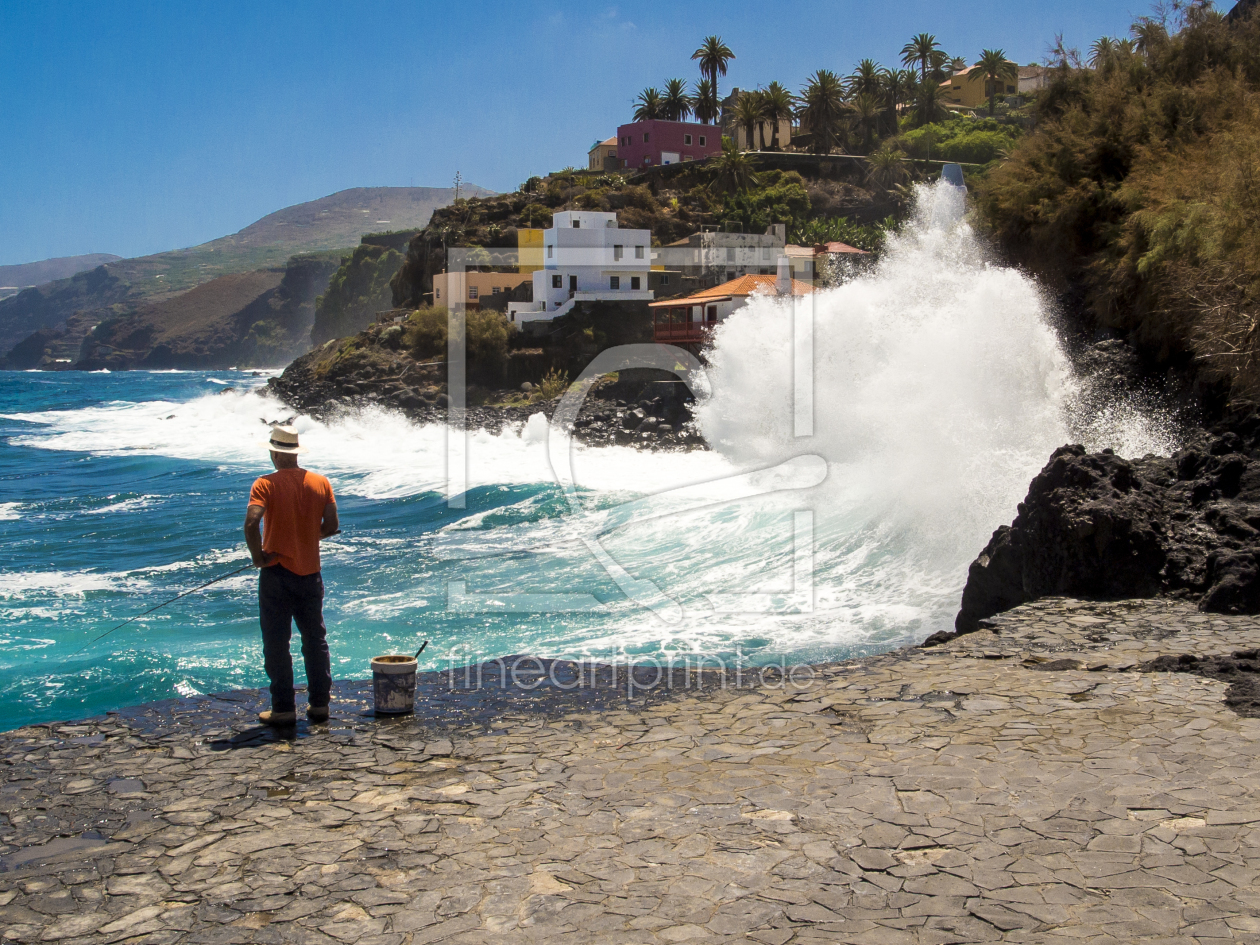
<point>746,198</point>
<point>360,288</point>
<point>1140,188</point>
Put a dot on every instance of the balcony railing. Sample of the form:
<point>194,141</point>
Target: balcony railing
<point>667,331</point>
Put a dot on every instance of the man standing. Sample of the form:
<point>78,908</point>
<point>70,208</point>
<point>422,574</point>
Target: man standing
<point>297,510</point>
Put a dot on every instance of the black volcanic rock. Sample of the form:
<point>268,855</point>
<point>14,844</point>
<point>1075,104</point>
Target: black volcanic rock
<point>1095,525</point>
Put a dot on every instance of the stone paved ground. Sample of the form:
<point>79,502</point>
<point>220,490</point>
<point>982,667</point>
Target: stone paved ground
<point>956,794</point>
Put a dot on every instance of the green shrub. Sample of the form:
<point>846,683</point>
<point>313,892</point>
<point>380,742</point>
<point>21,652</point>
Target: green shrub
<point>1139,185</point>
<point>554,383</point>
<point>486,337</point>
<point>965,140</point>
<point>780,198</point>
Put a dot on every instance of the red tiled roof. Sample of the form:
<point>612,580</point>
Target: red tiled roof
<point>817,249</point>
<point>742,286</point>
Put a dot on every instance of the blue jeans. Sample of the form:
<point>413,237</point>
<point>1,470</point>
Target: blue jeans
<point>285,597</point>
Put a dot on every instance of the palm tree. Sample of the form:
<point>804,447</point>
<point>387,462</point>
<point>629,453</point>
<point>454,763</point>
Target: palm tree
<point>940,65</point>
<point>919,50</point>
<point>776,106</point>
<point>648,105</point>
<point>927,103</point>
<point>733,170</point>
<point>822,102</point>
<point>704,103</point>
<point>997,71</point>
<point>748,114</point>
<point>897,86</point>
<point>887,167</point>
<point>1102,53</point>
<point>866,109</point>
<point>1148,35</point>
<point>675,103</point>
<point>713,55</point>
<point>866,78</point>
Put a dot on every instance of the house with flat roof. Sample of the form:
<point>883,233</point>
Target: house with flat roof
<point>603,156</point>
<point>656,142</point>
<point>714,256</point>
<point>473,286</point>
<point>692,318</point>
<point>587,257</point>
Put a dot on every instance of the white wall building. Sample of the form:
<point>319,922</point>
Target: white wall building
<point>587,258</point>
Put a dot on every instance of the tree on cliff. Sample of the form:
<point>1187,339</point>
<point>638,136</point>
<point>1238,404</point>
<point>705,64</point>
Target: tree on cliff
<point>1138,189</point>
<point>675,103</point>
<point>776,106</point>
<point>648,106</point>
<point>997,71</point>
<point>822,110</point>
<point>748,115</point>
<point>704,103</point>
<point>713,55</point>
<point>733,170</point>
<point>919,50</point>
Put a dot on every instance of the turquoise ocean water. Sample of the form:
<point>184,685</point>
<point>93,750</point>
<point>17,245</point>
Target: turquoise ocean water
<point>936,392</point>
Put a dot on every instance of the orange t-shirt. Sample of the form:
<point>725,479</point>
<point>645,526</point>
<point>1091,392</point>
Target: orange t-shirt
<point>293,503</point>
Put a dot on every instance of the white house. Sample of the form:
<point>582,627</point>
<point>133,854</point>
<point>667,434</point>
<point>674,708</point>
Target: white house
<point>587,258</point>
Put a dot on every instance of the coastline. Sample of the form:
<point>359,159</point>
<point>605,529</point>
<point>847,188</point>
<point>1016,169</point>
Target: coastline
<point>1027,782</point>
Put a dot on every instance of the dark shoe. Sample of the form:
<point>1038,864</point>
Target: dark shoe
<point>277,719</point>
<point>317,713</point>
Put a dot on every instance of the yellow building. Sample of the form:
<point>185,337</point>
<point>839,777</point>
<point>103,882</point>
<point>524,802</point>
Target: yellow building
<point>603,156</point>
<point>529,246</point>
<point>969,88</point>
<point>473,286</point>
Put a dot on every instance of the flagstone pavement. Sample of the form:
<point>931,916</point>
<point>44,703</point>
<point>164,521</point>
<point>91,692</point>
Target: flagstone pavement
<point>1034,782</point>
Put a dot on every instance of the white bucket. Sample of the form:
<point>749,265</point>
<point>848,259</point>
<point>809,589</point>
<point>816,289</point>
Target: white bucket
<point>394,684</point>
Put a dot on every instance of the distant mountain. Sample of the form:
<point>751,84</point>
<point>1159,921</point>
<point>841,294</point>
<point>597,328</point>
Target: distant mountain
<point>333,222</point>
<point>121,287</point>
<point>15,278</point>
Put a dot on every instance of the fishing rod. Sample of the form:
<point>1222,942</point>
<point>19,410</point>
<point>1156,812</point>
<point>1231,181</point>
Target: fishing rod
<point>221,577</point>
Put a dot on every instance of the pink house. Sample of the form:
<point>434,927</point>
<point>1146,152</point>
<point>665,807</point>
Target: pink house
<point>648,143</point>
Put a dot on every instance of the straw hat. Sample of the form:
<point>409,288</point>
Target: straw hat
<point>283,440</point>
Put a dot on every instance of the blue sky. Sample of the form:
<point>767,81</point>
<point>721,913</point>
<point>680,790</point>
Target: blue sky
<point>132,128</point>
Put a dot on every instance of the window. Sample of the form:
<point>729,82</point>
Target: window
<point>712,313</point>
<point>638,252</point>
<point>702,141</point>
<point>618,251</point>
<point>437,293</point>
<point>765,252</point>
<point>634,283</point>
<point>645,137</point>
<point>472,293</point>
<point>614,282</point>
<point>730,254</point>
<point>549,251</point>
<point>577,224</point>
<point>495,290</point>
<point>686,139</point>
<point>557,282</point>
<point>664,279</point>
<point>646,159</point>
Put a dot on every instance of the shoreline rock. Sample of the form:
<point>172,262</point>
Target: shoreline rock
<point>1095,525</point>
<point>1022,783</point>
<point>644,412</point>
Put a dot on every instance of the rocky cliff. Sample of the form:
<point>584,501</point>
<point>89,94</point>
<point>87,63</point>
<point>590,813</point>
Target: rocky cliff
<point>253,319</point>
